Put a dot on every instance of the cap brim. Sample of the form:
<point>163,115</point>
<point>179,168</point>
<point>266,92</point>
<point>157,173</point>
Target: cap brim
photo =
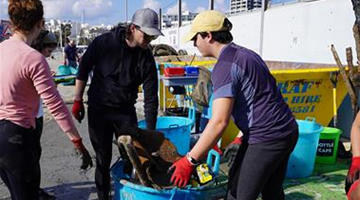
<point>188,37</point>
<point>151,31</point>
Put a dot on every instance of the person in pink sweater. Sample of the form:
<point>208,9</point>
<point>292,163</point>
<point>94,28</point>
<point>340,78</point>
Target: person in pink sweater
<point>24,77</point>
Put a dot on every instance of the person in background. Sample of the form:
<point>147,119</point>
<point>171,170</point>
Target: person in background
<point>45,43</point>
<point>71,56</point>
<point>245,90</point>
<point>352,179</point>
<point>25,76</point>
<point>121,61</point>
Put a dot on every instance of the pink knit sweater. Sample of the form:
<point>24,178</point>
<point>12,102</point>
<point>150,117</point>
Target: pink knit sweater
<point>24,77</point>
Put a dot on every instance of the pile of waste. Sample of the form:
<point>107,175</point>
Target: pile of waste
<point>146,157</point>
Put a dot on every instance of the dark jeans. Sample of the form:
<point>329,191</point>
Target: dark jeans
<point>38,130</point>
<point>102,122</point>
<point>19,161</point>
<point>260,168</point>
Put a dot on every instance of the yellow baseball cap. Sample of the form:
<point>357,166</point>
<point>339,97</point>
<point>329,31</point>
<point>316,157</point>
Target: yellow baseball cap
<point>209,20</point>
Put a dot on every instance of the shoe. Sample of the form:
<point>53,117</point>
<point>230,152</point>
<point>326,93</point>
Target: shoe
<point>45,196</point>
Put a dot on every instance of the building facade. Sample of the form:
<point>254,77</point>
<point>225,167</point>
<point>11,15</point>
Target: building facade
<point>237,6</point>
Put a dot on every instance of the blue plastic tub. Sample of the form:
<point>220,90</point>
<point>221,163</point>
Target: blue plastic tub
<point>302,159</point>
<point>176,129</point>
<point>127,190</point>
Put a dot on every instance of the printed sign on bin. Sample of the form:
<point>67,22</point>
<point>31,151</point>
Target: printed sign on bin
<point>326,147</point>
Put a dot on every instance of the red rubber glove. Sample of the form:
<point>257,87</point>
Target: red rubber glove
<point>182,173</point>
<point>84,154</point>
<point>78,110</point>
<point>354,171</point>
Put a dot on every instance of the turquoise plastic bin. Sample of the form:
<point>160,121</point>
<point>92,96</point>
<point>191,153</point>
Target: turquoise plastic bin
<point>302,159</point>
<point>63,70</point>
<point>176,129</point>
<point>127,190</point>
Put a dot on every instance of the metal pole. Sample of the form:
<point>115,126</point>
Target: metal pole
<point>211,4</point>
<point>61,34</point>
<point>76,34</point>
<point>160,18</point>
<point>262,27</point>
<point>61,39</point>
<point>180,13</point>
<point>126,10</point>
<point>82,22</point>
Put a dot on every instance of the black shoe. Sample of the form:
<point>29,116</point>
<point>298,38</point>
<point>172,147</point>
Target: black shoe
<point>45,196</point>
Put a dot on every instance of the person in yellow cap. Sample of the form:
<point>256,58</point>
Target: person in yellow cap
<point>245,90</point>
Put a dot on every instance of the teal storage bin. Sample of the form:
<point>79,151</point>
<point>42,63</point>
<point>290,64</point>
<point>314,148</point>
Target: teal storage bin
<point>302,159</point>
<point>65,70</point>
<point>176,129</point>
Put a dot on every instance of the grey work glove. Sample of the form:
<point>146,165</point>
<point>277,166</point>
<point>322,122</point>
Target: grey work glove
<point>231,151</point>
<point>86,161</point>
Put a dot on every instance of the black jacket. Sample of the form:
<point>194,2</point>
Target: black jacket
<point>118,71</point>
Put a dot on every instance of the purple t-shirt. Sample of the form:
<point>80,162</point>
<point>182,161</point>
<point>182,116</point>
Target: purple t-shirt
<point>259,111</point>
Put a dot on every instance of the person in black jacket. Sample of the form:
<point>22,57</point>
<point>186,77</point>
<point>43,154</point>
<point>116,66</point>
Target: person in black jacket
<point>121,61</point>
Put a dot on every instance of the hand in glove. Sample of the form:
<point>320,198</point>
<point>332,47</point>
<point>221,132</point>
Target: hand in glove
<point>231,150</point>
<point>78,110</point>
<point>353,192</point>
<point>84,154</point>
<point>182,172</point>
<point>353,173</point>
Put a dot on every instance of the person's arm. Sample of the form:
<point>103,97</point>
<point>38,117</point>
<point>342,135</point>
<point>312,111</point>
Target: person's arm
<point>355,136</point>
<point>39,72</point>
<point>150,87</point>
<point>221,112</point>
<point>354,192</point>
<point>85,67</point>
<point>79,90</point>
<point>184,167</point>
<point>354,170</point>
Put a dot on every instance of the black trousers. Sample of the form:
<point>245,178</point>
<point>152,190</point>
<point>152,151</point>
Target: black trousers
<point>260,168</point>
<point>19,161</point>
<point>102,121</point>
<point>38,131</point>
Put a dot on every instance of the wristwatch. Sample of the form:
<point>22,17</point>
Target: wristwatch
<point>191,160</point>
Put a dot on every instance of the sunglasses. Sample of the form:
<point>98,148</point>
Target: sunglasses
<point>146,36</point>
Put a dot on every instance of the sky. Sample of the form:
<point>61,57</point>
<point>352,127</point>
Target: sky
<point>111,12</point>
